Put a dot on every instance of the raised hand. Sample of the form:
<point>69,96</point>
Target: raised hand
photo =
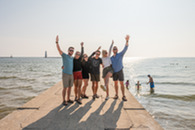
<point>112,42</point>
<point>57,39</point>
<point>58,46</point>
<point>99,48</point>
<point>127,38</point>
<point>82,43</point>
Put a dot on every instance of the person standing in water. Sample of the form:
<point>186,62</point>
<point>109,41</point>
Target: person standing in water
<point>107,71</point>
<point>151,84</point>
<point>77,72</point>
<point>138,85</point>
<point>67,73</point>
<point>127,84</point>
<point>117,65</point>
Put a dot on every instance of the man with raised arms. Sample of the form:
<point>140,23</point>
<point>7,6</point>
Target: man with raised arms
<point>117,65</point>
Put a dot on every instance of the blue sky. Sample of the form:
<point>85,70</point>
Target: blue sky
<point>158,28</point>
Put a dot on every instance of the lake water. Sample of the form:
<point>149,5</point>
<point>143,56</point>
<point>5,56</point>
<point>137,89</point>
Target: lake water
<point>172,104</point>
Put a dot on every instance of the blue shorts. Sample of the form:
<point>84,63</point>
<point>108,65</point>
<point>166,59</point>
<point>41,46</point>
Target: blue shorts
<point>151,85</point>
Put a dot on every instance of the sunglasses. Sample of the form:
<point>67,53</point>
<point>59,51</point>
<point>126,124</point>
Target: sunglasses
<point>71,50</point>
<point>85,56</point>
<point>98,54</point>
<point>114,49</point>
<point>78,54</point>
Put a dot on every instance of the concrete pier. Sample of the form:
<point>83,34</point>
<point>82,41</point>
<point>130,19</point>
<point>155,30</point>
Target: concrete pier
<point>46,112</point>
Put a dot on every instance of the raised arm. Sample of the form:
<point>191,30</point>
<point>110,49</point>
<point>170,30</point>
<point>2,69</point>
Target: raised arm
<point>82,50</point>
<point>94,52</point>
<point>126,45</point>
<point>92,55</point>
<point>127,39</point>
<point>110,50</point>
<point>58,46</point>
<point>98,48</point>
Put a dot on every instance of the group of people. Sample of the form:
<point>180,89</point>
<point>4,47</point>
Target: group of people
<point>138,85</point>
<point>79,68</point>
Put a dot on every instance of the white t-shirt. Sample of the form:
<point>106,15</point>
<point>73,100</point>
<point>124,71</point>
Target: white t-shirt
<point>106,61</point>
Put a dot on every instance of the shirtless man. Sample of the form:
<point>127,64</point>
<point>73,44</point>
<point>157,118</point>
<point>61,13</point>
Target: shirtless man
<point>151,84</point>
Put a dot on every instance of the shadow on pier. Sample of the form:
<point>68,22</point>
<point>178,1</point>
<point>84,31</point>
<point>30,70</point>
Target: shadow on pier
<point>89,116</point>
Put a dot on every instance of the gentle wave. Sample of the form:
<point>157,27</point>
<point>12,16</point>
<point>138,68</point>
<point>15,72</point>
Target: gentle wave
<point>5,111</point>
<point>175,83</point>
<point>28,87</point>
<point>23,87</point>
<point>2,88</point>
<point>175,97</point>
<point>8,77</point>
<point>159,76</point>
<point>25,99</point>
<point>48,75</point>
<point>17,78</point>
<point>26,79</point>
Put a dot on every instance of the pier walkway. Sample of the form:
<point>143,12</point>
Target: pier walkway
<point>45,112</point>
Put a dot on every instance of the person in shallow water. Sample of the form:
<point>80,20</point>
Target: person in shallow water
<point>138,85</point>
<point>127,84</point>
<point>67,73</point>
<point>151,84</point>
<point>138,88</point>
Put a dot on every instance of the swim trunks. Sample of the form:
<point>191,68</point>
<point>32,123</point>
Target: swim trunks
<point>152,85</point>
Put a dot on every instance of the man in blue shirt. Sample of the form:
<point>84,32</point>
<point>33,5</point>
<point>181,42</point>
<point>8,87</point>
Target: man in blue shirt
<point>117,65</point>
<point>67,73</point>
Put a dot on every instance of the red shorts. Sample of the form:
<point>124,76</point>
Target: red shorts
<point>77,75</point>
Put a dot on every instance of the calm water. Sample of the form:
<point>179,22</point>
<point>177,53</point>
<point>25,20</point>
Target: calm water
<point>172,104</point>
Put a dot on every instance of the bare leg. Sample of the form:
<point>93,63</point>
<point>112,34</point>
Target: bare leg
<point>68,95</point>
<point>96,87</point>
<point>93,87</point>
<point>106,80</point>
<point>106,87</point>
<point>63,94</point>
<point>107,91</point>
<point>79,88</point>
<point>116,87</point>
<point>75,87</point>
<point>85,86</point>
<point>122,88</point>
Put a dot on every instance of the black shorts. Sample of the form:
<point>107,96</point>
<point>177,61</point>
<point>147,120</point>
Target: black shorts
<point>106,71</point>
<point>118,76</point>
<point>95,77</point>
<point>85,75</point>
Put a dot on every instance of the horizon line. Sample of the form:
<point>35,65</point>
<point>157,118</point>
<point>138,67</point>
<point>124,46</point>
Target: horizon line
<point>100,57</point>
